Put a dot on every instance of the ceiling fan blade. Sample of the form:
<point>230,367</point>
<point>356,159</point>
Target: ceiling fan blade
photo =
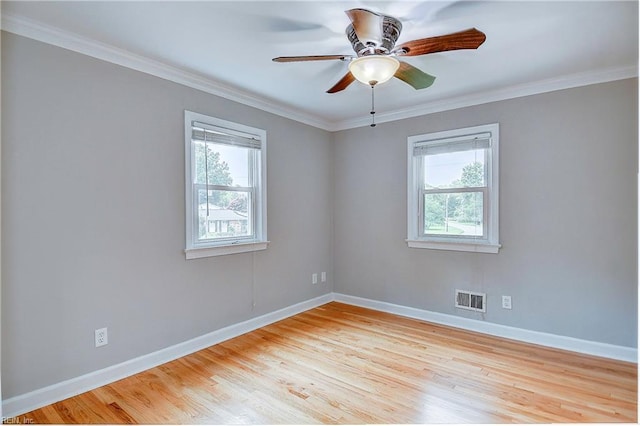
<point>367,25</point>
<point>467,39</point>
<point>343,83</point>
<point>413,76</point>
<point>275,23</point>
<point>311,58</point>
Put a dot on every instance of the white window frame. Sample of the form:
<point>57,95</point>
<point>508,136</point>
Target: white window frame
<point>416,238</point>
<point>258,240</point>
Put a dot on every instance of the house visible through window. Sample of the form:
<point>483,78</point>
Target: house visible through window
<point>226,200</point>
<point>453,190</point>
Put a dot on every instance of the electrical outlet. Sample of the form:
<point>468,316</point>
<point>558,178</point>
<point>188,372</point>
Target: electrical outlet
<point>506,302</point>
<point>323,277</point>
<point>314,278</point>
<point>101,337</point>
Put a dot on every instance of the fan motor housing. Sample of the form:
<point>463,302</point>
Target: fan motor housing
<point>391,28</point>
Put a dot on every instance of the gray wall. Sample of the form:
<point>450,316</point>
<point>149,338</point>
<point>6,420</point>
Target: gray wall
<point>93,217</point>
<point>568,216</point>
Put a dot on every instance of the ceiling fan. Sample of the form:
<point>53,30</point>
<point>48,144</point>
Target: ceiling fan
<point>373,37</point>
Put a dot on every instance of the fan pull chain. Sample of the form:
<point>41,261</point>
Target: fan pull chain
<point>373,108</point>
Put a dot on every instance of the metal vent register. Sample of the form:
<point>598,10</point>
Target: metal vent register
<point>471,300</point>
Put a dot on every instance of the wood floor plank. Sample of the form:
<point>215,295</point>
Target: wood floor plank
<point>341,364</point>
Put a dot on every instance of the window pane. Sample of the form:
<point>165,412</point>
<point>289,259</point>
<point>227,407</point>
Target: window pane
<point>455,169</point>
<point>226,164</point>
<point>457,213</point>
<point>227,215</point>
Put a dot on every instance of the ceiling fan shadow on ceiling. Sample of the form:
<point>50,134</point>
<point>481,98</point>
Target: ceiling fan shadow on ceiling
<point>373,37</point>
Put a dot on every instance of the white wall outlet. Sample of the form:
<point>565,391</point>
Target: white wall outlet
<point>506,302</point>
<point>323,277</point>
<point>101,337</point>
<point>314,278</point>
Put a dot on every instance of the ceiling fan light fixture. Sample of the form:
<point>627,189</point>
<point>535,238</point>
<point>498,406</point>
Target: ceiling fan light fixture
<point>373,69</point>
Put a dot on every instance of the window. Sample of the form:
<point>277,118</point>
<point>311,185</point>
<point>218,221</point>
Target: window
<point>225,187</point>
<point>453,190</point>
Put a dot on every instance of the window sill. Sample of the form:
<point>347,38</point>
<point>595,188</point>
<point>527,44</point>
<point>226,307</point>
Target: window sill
<point>455,246</point>
<point>200,252</point>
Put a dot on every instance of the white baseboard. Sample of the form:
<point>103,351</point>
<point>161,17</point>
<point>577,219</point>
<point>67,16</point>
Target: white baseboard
<point>33,400</point>
<point>57,392</point>
<point>588,347</point>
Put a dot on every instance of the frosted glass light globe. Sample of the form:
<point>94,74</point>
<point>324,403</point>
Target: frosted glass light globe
<point>373,69</point>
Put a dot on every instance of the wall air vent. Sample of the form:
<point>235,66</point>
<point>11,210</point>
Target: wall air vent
<point>471,301</point>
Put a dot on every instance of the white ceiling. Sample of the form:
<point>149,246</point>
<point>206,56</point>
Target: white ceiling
<point>226,48</point>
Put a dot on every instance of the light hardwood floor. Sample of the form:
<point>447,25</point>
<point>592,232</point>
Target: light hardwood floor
<point>344,364</point>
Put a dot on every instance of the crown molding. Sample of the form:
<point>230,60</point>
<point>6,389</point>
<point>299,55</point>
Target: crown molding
<point>512,92</point>
<point>70,41</point>
<point>67,40</point>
